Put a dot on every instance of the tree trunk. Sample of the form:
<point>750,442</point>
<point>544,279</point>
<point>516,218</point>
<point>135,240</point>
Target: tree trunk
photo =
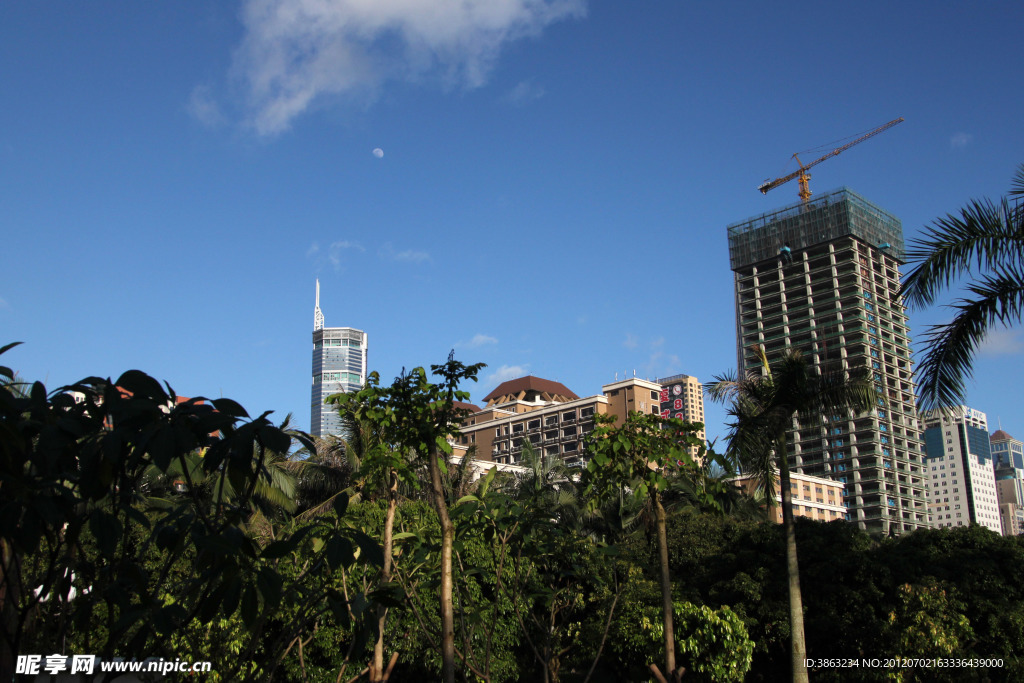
<point>447,543</point>
<point>666,589</point>
<point>798,645</point>
<point>377,669</point>
<point>10,594</point>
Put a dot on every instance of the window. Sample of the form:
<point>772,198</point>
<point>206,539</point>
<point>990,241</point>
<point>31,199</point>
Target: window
<point>533,424</point>
<point>517,428</point>
<point>654,395</point>
<point>586,412</point>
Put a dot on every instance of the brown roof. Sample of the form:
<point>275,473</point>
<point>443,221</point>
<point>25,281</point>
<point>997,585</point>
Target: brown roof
<point>514,387</point>
<point>1000,435</point>
<point>466,406</point>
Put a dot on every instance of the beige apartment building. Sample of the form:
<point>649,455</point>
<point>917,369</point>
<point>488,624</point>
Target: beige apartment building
<point>548,416</point>
<point>813,497</point>
<point>682,398</point>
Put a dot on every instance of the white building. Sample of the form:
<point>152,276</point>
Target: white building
<point>962,484</point>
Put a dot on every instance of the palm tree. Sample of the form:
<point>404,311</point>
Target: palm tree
<point>986,243</point>
<point>762,406</point>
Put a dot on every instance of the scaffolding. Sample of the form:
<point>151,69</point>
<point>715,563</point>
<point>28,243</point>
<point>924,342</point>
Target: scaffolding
<point>802,225</point>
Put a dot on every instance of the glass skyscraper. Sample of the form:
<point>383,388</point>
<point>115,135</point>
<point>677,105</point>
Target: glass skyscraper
<point>339,365</point>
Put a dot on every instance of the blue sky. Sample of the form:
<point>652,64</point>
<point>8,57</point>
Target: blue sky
<point>174,176</point>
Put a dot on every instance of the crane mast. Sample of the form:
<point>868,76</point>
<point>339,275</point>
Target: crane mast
<point>805,177</point>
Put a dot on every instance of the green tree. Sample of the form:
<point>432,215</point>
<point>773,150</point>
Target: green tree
<point>762,407</point>
<point>420,416</point>
<point>85,553</point>
<point>927,623</point>
<point>984,242</point>
<point>639,455</point>
<point>372,442</point>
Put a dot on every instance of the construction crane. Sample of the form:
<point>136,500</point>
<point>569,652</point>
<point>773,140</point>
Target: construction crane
<point>805,177</point>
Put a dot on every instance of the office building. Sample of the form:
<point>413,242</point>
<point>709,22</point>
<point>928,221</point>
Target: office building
<point>339,365</point>
<point>1008,456</point>
<point>823,277</point>
<point>962,483</point>
<point>548,416</point>
<point>1006,450</point>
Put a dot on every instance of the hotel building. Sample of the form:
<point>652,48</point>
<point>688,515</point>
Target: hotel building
<point>548,416</point>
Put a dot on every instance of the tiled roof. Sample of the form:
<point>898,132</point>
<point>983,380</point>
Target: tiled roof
<point>514,387</point>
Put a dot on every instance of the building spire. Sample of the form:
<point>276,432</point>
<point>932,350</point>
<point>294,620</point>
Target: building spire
<point>318,315</point>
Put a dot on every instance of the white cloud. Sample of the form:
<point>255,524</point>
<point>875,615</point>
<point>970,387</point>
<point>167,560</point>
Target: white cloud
<point>336,249</point>
<point>412,256</point>
<point>505,373</point>
<point>203,107</point>
<point>295,52</point>
<point>960,140</point>
<point>4,304</point>
<point>313,250</point>
<point>478,340</point>
<point>631,341</point>
<point>387,251</point>
<point>1002,342</point>
<point>524,93</point>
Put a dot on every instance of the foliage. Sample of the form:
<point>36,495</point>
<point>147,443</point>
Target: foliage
<point>927,623</point>
<point>86,551</point>
<point>554,579</point>
<point>713,644</point>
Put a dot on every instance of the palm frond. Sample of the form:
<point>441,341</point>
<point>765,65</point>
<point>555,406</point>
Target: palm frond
<point>1017,185</point>
<point>947,364</point>
<point>984,235</point>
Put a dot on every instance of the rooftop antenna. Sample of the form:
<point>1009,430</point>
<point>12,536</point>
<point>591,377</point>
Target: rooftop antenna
<point>318,315</point>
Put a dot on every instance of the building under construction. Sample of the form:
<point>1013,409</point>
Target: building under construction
<point>822,276</point>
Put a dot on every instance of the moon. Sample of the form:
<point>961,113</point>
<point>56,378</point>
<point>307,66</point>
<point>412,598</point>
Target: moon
<point>378,152</point>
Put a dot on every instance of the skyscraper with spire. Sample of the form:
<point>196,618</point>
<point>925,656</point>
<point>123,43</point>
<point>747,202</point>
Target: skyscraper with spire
<point>339,365</point>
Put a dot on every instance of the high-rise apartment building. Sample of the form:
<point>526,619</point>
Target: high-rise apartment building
<point>682,397</point>
<point>823,277</point>
<point>962,483</point>
<point>339,365</point>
